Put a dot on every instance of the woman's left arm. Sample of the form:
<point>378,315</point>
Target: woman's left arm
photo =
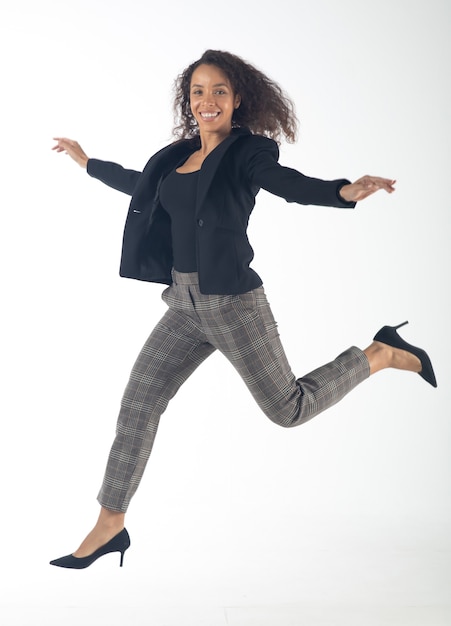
<point>265,171</point>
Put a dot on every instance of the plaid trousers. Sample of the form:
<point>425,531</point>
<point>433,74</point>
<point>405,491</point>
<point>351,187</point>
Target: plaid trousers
<point>243,328</point>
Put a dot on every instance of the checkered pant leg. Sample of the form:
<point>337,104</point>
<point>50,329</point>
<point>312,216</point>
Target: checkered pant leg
<point>244,330</point>
<point>168,358</point>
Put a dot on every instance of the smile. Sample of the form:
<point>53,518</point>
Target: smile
<point>208,116</point>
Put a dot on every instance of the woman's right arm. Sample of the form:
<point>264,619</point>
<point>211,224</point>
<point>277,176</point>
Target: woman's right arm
<point>111,174</point>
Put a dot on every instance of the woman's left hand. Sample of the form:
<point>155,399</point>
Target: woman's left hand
<point>364,187</point>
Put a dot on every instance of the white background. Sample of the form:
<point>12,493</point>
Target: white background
<point>345,520</point>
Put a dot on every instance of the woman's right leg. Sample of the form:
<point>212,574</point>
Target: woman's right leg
<point>172,352</point>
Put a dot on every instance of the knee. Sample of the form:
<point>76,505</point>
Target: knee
<point>284,421</point>
<point>301,415</point>
<point>280,420</point>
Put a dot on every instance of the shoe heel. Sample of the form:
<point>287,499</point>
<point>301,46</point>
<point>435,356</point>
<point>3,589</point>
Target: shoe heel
<point>122,559</point>
<point>399,325</point>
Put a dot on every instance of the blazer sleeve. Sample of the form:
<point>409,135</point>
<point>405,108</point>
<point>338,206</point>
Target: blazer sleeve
<point>265,172</point>
<point>114,175</point>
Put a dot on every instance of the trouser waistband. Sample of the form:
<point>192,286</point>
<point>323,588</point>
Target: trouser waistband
<point>185,278</point>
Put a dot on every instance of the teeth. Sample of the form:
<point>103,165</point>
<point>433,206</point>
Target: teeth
<point>209,114</point>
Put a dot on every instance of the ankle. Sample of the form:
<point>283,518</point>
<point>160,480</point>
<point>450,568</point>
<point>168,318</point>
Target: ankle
<point>379,356</point>
<point>111,519</point>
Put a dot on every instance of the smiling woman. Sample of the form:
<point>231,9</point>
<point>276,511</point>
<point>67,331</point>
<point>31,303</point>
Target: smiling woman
<point>187,228</point>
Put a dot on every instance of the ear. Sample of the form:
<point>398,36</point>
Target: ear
<point>237,100</point>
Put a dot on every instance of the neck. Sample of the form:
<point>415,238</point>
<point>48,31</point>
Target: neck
<point>209,141</point>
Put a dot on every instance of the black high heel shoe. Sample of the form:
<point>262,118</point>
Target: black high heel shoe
<point>388,335</point>
<point>119,543</point>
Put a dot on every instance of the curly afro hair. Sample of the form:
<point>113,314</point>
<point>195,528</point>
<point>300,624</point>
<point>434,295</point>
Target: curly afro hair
<point>264,108</point>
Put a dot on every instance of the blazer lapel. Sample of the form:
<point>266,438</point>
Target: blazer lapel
<point>159,164</point>
<point>211,163</point>
<point>171,156</point>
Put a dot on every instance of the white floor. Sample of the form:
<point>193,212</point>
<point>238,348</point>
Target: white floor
<point>340,615</point>
<point>344,576</point>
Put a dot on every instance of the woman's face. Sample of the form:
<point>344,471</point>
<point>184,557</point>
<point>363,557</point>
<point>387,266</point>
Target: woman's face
<point>212,100</point>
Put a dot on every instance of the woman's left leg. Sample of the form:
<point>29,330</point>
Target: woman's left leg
<point>244,330</point>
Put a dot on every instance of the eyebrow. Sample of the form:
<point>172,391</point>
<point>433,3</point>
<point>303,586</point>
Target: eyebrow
<point>216,85</point>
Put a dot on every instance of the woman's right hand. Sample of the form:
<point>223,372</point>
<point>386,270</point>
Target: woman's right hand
<point>73,149</point>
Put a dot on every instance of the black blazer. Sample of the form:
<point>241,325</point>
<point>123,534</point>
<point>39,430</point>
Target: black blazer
<point>229,180</point>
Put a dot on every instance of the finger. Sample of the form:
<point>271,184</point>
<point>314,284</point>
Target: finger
<point>65,141</point>
<point>388,187</point>
<point>374,189</point>
<point>375,179</point>
<point>60,142</point>
<point>380,179</point>
<point>381,182</point>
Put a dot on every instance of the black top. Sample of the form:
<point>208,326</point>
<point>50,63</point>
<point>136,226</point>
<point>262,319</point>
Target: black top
<point>178,194</point>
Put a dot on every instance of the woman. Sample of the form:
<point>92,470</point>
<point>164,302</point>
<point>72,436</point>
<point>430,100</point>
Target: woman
<point>186,228</point>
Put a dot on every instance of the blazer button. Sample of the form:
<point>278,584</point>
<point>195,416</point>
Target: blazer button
<point>200,223</point>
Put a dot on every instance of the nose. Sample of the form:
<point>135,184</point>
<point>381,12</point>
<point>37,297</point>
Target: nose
<point>209,99</point>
